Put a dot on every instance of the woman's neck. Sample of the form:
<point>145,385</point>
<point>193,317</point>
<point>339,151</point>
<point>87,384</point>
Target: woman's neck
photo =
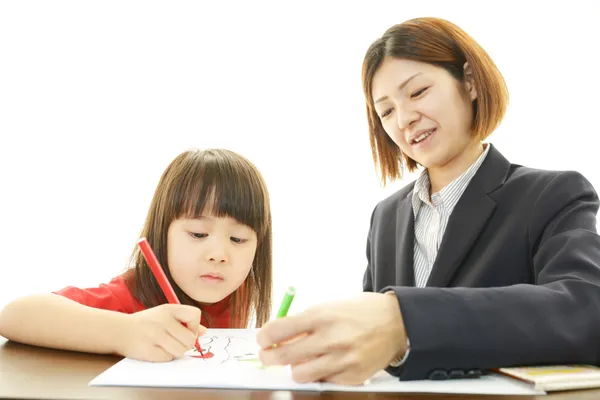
<point>440,177</point>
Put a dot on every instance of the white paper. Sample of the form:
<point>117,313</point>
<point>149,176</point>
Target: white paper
<point>235,365</point>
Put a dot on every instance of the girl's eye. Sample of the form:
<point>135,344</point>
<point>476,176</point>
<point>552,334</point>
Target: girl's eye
<point>418,92</point>
<point>196,235</point>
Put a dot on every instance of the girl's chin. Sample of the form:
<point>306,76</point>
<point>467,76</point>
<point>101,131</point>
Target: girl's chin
<point>205,300</point>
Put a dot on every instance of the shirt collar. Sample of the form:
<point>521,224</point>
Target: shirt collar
<point>451,193</point>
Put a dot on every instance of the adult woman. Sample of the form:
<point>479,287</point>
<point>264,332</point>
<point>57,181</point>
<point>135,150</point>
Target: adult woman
<point>479,263</point>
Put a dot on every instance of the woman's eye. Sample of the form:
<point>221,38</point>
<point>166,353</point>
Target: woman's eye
<point>198,235</point>
<point>237,240</point>
<point>386,113</point>
<point>419,92</point>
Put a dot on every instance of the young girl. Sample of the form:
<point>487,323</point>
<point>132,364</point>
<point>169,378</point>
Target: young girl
<point>209,224</point>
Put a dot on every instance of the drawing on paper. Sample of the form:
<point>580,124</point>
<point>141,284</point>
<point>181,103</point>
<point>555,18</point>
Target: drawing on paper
<point>225,349</point>
<point>203,354</point>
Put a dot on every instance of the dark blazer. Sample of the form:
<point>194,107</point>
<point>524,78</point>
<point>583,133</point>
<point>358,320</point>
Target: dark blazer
<point>516,280</point>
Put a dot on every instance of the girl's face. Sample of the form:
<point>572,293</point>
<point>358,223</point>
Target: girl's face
<point>424,110</point>
<point>210,257</point>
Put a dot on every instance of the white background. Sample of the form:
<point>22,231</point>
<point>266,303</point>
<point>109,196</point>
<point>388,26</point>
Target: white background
<point>97,97</point>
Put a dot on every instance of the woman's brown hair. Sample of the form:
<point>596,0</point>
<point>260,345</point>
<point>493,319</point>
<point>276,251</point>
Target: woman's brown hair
<point>438,42</point>
<point>227,184</point>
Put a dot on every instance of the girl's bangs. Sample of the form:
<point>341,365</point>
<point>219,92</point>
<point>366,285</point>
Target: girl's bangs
<point>221,190</point>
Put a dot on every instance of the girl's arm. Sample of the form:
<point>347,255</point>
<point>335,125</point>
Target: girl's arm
<point>50,320</point>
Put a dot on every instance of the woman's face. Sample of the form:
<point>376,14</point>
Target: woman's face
<point>424,110</point>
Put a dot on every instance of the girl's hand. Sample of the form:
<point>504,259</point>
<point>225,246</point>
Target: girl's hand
<point>158,334</point>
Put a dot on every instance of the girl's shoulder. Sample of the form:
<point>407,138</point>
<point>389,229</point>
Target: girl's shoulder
<point>114,295</point>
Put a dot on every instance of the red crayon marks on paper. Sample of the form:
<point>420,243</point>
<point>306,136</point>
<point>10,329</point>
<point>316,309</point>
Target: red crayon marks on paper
<point>207,354</point>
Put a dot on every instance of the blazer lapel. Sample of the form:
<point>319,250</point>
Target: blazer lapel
<point>405,238</point>
<point>468,218</point>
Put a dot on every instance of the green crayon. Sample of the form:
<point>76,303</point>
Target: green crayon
<point>287,302</point>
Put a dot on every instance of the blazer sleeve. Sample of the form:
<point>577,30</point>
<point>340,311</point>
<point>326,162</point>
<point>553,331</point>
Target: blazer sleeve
<point>554,321</point>
<point>368,275</point>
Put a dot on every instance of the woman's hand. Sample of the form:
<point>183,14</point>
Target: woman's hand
<point>343,342</point>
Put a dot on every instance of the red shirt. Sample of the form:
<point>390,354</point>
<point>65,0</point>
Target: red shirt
<point>115,296</point>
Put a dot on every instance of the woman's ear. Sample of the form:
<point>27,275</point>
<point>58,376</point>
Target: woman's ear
<point>470,89</point>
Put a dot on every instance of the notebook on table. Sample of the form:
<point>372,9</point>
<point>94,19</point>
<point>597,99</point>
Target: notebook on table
<point>557,377</point>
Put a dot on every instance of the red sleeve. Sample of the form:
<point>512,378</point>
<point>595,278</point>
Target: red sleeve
<point>114,296</point>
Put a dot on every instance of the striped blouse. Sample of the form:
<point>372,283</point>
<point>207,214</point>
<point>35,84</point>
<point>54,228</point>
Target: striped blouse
<point>431,217</point>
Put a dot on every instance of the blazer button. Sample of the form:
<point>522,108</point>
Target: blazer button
<point>438,375</point>
<point>473,373</point>
<point>456,374</point>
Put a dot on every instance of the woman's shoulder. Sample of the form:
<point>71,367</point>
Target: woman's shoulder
<point>539,179</point>
<point>394,200</point>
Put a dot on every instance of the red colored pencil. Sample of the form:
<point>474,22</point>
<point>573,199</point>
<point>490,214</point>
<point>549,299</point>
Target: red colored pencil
<point>162,278</point>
